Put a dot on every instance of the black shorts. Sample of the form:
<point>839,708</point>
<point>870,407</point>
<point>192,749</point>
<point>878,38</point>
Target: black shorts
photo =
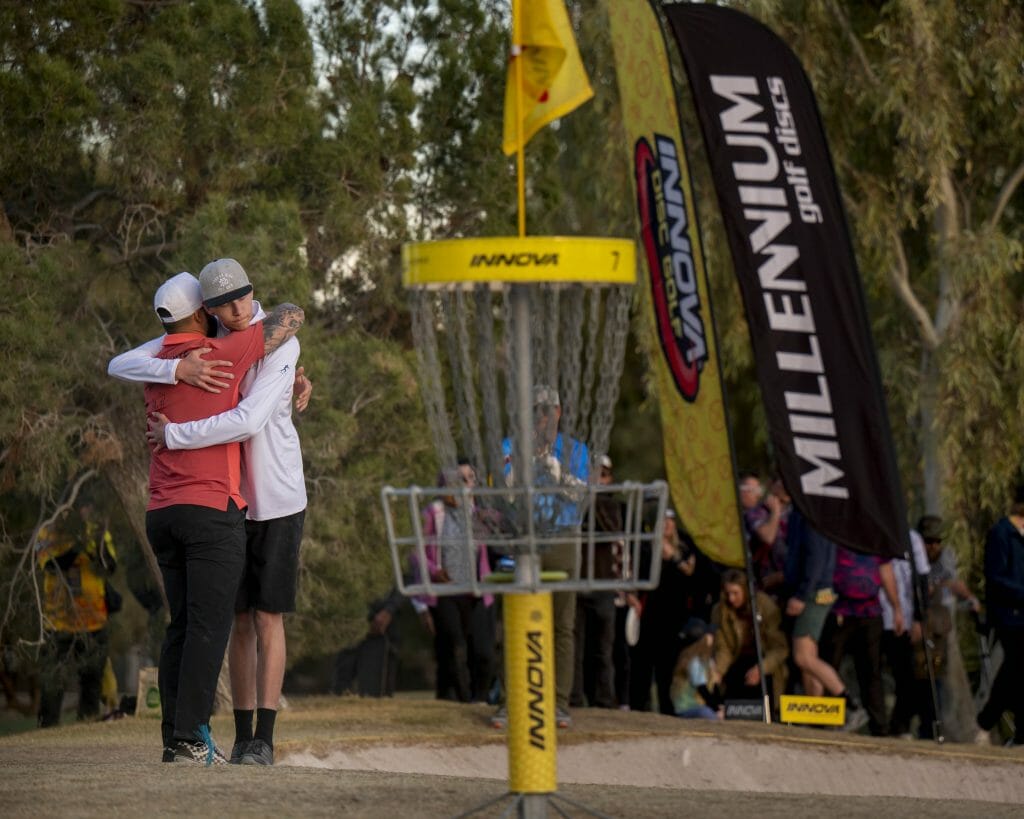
<point>271,564</point>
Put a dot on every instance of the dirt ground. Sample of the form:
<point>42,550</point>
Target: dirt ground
<point>419,758</point>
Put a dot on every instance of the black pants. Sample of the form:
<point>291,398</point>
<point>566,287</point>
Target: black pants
<point>1008,687</point>
<point>654,655</point>
<point>620,657</point>
<point>861,637</point>
<point>899,654</point>
<point>66,655</point>
<point>926,705</point>
<point>464,648</point>
<point>734,683</point>
<point>201,552</point>
<point>594,680</point>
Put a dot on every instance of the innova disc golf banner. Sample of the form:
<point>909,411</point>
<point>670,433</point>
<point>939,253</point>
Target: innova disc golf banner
<point>677,300</point>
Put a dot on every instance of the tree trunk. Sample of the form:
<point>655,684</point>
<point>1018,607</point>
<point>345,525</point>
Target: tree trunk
<point>129,478</point>
<point>932,467</point>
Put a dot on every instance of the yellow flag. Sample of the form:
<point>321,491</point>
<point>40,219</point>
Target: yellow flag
<point>553,79</point>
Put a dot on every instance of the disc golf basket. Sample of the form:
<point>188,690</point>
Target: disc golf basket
<point>520,344</point>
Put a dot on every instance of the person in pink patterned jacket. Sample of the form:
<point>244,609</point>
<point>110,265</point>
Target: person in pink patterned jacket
<point>463,625</point>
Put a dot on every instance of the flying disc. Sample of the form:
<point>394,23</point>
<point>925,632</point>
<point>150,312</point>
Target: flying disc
<point>632,627</point>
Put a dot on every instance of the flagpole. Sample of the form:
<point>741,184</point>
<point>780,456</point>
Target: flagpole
<point>517,53</point>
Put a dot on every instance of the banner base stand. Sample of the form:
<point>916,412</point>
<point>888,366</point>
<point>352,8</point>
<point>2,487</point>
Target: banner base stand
<point>532,806</point>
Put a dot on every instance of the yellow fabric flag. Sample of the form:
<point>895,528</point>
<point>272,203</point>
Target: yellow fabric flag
<point>553,79</point>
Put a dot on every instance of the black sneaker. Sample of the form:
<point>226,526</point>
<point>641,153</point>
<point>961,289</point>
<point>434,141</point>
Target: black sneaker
<point>238,751</point>
<point>198,753</point>
<point>258,753</point>
<point>168,754</point>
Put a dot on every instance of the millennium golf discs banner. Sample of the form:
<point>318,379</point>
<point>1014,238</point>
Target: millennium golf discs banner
<point>801,288</point>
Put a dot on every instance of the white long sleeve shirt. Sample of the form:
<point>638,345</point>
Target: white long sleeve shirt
<point>904,583</point>
<point>272,479</point>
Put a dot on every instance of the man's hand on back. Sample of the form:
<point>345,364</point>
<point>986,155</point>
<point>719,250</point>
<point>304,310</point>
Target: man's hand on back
<point>157,423</point>
<point>303,389</point>
<point>795,606</point>
<point>206,375</point>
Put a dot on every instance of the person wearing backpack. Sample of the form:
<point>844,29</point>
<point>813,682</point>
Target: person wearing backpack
<point>75,553</point>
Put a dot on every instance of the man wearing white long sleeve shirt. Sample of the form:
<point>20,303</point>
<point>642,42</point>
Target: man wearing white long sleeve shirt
<point>272,484</point>
<point>899,648</point>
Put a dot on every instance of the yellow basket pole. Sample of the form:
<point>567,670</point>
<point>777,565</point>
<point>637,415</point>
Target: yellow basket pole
<point>530,684</point>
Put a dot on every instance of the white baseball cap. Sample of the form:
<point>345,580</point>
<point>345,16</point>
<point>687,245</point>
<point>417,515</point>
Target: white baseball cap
<point>605,462</point>
<point>177,298</point>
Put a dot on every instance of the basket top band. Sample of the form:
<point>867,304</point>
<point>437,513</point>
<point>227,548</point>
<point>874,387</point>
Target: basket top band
<point>499,260</point>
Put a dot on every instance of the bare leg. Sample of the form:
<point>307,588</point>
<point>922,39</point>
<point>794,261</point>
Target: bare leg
<point>812,685</point>
<point>270,660</point>
<point>242,663</point>
<point>805,655</point>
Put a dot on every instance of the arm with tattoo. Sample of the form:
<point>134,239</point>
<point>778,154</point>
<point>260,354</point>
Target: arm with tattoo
<point>283,322</point>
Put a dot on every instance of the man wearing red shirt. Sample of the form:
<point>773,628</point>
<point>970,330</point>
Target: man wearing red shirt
<point>195,520</point>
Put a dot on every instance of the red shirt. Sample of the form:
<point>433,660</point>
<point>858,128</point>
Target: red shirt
<point>209,476</point>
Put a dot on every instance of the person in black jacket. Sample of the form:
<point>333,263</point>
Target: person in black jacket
<point>684,592</point>
<point>594,680</point>
<point>1004,591</point>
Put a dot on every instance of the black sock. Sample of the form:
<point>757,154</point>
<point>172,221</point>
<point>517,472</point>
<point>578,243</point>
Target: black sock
<point>265,725</point>
<point>243,725</point>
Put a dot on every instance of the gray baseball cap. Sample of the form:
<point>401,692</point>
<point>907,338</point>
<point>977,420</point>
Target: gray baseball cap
<point>222,281</point>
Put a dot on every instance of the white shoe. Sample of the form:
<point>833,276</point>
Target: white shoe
<point>983,737</point>
<point>856,718</point>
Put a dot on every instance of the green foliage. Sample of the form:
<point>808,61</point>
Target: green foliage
<point>364,428</point>
<point>49,420</point>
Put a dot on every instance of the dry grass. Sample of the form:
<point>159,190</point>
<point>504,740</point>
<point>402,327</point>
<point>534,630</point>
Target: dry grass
<point>113,768</point>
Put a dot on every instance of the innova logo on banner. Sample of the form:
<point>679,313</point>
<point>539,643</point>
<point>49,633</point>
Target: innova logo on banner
<point>752,710</point>
<point>673,274</point>
<point>514,260</point>
<point>812,710</point>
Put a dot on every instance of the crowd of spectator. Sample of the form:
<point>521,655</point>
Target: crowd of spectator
<point>806,616</point>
